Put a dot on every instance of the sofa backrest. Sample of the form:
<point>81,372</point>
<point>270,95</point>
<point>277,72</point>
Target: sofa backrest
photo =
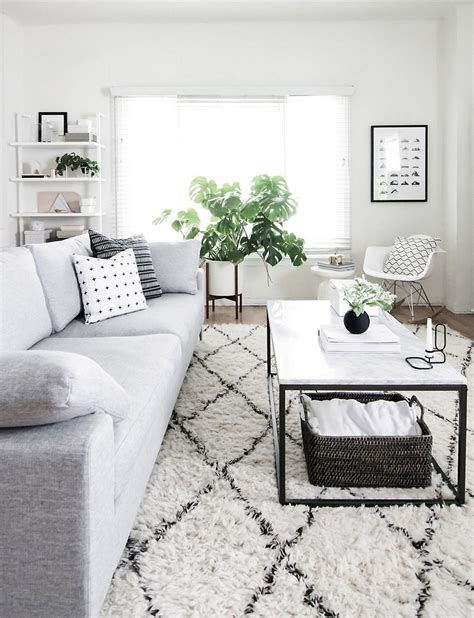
<point>58,277</point>
<point>24,316</point>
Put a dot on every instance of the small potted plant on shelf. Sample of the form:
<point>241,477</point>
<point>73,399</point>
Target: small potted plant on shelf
<point>361,295</point>
<point>239,227</point>
<point>73,162</point>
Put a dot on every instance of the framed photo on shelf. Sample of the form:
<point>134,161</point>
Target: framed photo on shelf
<point>51,125</point>
<point>399,163</point>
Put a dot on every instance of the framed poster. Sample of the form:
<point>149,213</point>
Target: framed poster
<point>399,162</point>
<point>51,125</point>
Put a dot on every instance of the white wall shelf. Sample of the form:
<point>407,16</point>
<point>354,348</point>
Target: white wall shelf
<point>26,198</point>
<point>56,144</point>
<point>60,179</point>
<point>64,215</point>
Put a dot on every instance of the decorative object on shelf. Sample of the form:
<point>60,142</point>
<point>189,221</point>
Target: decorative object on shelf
<point>240,227</point>
<point>434,355</point>
<point>52,172</point>
<point>60,205</point>
<point>399,163</point>
<point>81,131</point>
<point>51,126</point>
<point>87,205</point>
<point>361,295</point>
<point>68,231</point>
<point>80,137</point>
<point>46,199</point>
<point>73,162</point>
<point>37,226</point>
<point>31,169</point>
<point>34,237</point>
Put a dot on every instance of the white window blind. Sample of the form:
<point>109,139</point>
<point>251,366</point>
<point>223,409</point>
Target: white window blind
<point>163,142</point>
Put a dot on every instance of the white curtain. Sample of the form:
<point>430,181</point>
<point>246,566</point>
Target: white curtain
<point>163,142</point>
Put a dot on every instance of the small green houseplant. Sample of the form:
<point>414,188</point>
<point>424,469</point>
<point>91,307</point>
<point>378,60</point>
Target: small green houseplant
<point>73,161</point>
<point>361,295</point>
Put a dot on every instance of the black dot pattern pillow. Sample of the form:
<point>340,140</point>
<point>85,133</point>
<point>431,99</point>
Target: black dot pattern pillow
<point>409,256</point>
<point>105,248</point>
<point>109,287</point>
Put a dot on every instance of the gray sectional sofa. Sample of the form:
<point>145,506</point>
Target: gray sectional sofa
<point>69,491</point>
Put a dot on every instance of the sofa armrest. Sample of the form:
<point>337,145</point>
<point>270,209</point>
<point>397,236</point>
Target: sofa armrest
<point>200,279</point>
<point>56,517</point>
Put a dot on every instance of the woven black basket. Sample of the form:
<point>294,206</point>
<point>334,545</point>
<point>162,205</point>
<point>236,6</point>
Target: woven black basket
<point>367,461</point>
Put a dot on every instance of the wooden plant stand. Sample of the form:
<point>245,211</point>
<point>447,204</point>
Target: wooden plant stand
<point>236,297</point>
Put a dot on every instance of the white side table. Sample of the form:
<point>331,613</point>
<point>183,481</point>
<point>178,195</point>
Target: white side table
<point>326,275</point>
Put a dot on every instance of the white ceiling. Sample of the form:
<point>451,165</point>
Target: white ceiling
<point>39,12</point>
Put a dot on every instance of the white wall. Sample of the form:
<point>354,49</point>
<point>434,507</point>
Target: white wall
<point>11,99</point>
<point>457,107</point>
<point>393,66</point>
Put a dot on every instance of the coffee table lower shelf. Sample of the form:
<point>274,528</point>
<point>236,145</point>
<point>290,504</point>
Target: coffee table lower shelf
<point>279,444</point>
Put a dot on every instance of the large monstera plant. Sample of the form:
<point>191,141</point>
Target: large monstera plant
<point>239,227</point>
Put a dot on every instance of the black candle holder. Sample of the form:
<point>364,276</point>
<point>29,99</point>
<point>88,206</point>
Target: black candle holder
<point>436,356</point>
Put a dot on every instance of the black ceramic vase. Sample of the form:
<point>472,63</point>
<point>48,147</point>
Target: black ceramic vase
<point>356,324</point>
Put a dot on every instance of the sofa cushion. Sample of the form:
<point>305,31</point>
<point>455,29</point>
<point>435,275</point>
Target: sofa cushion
<point>56,272</point>
<point>39,387</point>
<point>105,247</point>
<point>176,265</point>
<point>24,317</point>
<point>177,314</point>
<point>409,256</point>
<point>150,369</point>
<point>109,287</point>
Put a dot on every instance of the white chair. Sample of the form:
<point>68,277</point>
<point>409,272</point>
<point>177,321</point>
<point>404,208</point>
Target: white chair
<point>411,285</point>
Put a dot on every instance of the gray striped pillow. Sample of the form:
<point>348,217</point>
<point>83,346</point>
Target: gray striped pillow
<point>105,247</point>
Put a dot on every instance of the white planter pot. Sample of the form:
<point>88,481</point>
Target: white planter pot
<point>222,278</point>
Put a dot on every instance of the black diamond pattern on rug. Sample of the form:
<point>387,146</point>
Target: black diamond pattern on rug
<point>211,539</point>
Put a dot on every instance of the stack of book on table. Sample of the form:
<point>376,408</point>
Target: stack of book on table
<point>346,265</point>
<point>67,231</point>
<point>378,338</point>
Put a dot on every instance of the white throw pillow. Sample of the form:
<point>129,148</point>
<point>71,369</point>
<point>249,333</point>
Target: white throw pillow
<point>109,287</point>
<point>43,386</point>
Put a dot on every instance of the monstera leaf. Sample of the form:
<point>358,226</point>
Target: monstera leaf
<point>239,228</point>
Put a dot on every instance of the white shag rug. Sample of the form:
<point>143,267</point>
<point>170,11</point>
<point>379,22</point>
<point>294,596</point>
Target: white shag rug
<point>211,539</point>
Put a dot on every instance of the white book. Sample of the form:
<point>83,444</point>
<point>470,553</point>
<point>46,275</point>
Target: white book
<point>72,228</point>
<point>378,338</point>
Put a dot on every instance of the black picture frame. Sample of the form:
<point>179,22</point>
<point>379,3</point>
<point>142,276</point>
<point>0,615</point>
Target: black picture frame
<point>408,180</point>
<point>41,115</point>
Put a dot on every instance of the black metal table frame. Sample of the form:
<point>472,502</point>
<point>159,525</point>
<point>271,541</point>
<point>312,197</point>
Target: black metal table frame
<point>279,439</point>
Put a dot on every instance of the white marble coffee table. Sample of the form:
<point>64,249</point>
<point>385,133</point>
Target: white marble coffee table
<point>301,364</point>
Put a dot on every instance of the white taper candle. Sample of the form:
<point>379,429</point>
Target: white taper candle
<point>429,335</point>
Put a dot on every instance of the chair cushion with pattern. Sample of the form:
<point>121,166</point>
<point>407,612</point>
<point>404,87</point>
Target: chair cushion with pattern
<point>409,256</point>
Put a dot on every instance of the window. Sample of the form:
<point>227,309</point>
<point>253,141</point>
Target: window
<point>163,142</point>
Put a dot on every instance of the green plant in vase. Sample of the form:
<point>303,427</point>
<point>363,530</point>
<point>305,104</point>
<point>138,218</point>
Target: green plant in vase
<point>239,227</point>
<point>361,295</point>
<point>73,162</point>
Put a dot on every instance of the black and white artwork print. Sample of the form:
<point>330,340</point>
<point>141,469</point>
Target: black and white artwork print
<point>399,163</point>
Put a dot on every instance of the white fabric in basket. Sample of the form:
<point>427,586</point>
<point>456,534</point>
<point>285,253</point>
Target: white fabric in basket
<point>348,417</point>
